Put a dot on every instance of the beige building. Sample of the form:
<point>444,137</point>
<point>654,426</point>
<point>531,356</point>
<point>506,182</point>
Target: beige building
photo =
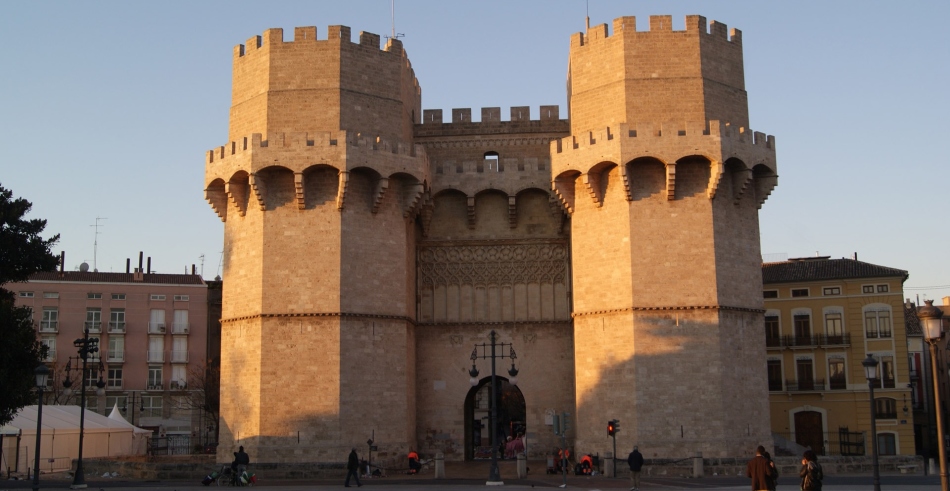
<point>152,332</point>
<point>823,317</point>
<point>371,246</point>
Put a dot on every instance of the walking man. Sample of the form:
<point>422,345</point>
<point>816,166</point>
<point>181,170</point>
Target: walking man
<point>635,461</point>
<point>759,470</point>
<point>353,469</point>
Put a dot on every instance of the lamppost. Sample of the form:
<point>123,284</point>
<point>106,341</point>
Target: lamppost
<point>87,346</point>
<point>493,475</point>
<point>42,373</point>
<point>933,332</point>
<point>870,371</point>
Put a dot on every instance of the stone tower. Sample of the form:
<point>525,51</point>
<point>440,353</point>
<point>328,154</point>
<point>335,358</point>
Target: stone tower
<point>318,187</point>
<point>663,181</point>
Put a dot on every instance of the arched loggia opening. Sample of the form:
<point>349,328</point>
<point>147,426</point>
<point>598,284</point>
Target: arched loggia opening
<point>511,417</point>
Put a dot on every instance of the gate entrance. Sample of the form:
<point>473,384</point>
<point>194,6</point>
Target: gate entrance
<point>809,431</point>
<point>511,417</point>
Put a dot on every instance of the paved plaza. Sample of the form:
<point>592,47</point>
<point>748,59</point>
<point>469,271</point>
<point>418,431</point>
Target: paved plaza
<point>409,483</point>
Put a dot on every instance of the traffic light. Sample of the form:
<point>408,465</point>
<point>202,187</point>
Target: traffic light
<point>557,425</point>
<point>611,429</point>
<point>565,422</point>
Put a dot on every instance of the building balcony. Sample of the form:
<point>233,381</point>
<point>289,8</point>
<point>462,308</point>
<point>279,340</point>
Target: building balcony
<point>116,327</point>
<point>50,355</point>
<point>773,341</point>
<point>179,357</point>
<point>156,328</point>
<point>835,340</point>
<point>177,385</point>
<point>798,341</point>
<point>805,385</point>
<point>94,326</point>
<point>49,326</point>
<point>155,385</point>
<point>776,386</point>
<point>838,383</point>
<point>115,355</point>
<point>180,328</point>
<point>156,356</point>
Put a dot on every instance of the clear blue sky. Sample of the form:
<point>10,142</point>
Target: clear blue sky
<point>107,108</point>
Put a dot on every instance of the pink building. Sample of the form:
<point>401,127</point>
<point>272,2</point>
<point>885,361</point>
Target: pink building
<point>153,341</point>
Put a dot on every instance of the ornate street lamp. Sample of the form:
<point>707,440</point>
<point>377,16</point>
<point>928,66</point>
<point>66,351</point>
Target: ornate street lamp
<point>87,347</point>
<point>493,475</point>
<point>870,371</point>
<point>930,318</point>
<point>42,373</point>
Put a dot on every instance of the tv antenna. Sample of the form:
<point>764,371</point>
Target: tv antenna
<point>202,258</point>
<point>392,14</point>
<point>95,242</point>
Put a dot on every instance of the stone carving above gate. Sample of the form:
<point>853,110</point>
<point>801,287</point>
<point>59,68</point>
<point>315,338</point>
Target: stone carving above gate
<point>493,264</point>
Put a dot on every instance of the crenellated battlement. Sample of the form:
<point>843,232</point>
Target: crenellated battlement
<point>659,25</point>
<point>313,76</point>
<point>307,36</point>
<point>665,134</point>
<point>491,115</point>
<point>317,141</point>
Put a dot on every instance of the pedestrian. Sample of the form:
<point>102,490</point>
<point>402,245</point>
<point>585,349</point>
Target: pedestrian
<point>810,472</point>
<point>241,460</point>
<point>635,461</point>
<point>353,469</point>
<point>774,468</point>
<point>759,470</point>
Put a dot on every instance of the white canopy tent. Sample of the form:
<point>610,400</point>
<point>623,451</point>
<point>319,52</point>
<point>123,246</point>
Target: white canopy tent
<point>103,437</point>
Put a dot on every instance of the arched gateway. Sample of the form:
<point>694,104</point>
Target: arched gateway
<point>511,417</point>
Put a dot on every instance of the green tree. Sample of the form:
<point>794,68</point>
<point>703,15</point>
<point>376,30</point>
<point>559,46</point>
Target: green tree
<point>22,253</point>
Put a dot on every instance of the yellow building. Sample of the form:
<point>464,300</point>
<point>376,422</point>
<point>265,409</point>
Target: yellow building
<point>823,317</point>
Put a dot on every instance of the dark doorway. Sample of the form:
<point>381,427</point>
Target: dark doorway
<point>511,417</point>
<point>809,431</point>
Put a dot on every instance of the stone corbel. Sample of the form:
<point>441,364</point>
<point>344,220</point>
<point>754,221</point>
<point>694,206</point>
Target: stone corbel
<point>563,187</point>
<point>218,199</point>
<point>671,181</point>
<point>381,186</point>
<point>471,213</point>
<point>426,214</point>
<point>298,190</point>
<point>592,183</point>
<point>237,194</point>
<point>715,177</point>
<point>415,195</point>
<point>257,185</point>
<point>740,183</point>
<point>341,189</point>
<point>625,176</point>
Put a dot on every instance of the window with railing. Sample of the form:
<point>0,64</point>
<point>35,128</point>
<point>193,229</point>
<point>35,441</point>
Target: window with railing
<point>877,323</point>
<point>117,320</point>
<point>94,319</point>
<point>50,343</point>
<point>887,372</point>
<point>155,378</point>
<point>115,377</point>
<point>773,335</point>
<point>834,328</point>
<point>775,375</point>
<point>50,321</point>
<point>805,371</point>
<point>802,324</point>
<point>151,406</point>
<point>885,408</point>
<point>836,376</point>
<point>116,349</point>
